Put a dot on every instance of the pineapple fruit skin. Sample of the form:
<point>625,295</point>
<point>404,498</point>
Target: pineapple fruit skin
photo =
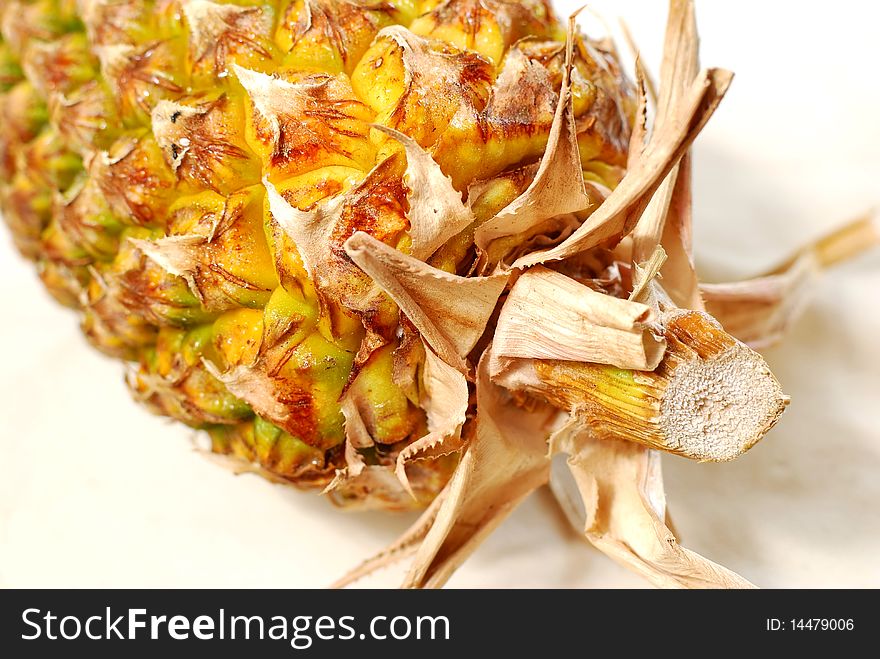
<point>137,138</point>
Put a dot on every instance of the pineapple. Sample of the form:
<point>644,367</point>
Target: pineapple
<point>140,137</point>
<point>402,251</point>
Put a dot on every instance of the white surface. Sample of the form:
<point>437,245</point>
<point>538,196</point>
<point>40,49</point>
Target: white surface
<point>94,491</point>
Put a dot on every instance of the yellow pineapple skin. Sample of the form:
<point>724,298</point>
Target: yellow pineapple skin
<point>137,137</point>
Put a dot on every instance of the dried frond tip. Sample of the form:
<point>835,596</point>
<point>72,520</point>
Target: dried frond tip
<point>548,315</point>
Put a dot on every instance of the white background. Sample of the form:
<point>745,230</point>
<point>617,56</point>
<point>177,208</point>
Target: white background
<point>94,491</point>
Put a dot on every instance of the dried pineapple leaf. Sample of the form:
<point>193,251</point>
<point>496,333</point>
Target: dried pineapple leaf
<point>558,187</point>
<point>354,466</point>
<point>436,211</point>
<point>523,93</point>
<point>450,312</point>
<point>667,220</point>
<point>408,358</point>
<point>758,311</point>
<point>254,384</point>
<point>290,114</point>
<point>272,97</point>
<point>256,380</point>
<point>649,229</point>
<point>681,57</point>
<point>433,77</point>
<point>445,401</point>
<point>356,436</point>
<point>839,245</point>
<point>356,433</point>
<point>504,462</point>
<point>354,463</point>
<point>376,487</point>
<point>643,277</point>
<point>317,235</point>
<point>359,484</point>
<point>310,230</point>
<point>621,509</point>
<point>548,315</point>
<point>406,545</point>
<point>679,274</point>
<point>177,255</point>
<point>616,216</point>
<point>635,51</point>
<point>191,257</point>
<point>639,136</point>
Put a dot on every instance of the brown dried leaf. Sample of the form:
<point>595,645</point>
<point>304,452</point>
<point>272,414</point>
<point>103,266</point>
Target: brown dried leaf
<point>639,136</point>
<point>668,219</point>
<point>644,274</point>
<point>356,433</point>
<point>177,255</point>
<point>444,399</point>
<point>354,467</point>
<point>356,436</point>
<point>311,120</point>
<point>442,84</point>
<point>618,502</point>
<point>215,29</point>
<point>758,311</point>
<point>650,85</point>
<point>318,235</point>
<point>310,230</point>
<point>408,359</point>
<point>375,488</point>
<point>406,545</point>
<point>681,57</point>
<point>450,312</point>
<point>436,211</point>
<point>649,229</point>
<point>550,316</point>
<point>558,187</point>
<point>679,274</point>
<point>522,94</point>
<point>252,383</point>
<point>503,463</point>
<point>616,216</point>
